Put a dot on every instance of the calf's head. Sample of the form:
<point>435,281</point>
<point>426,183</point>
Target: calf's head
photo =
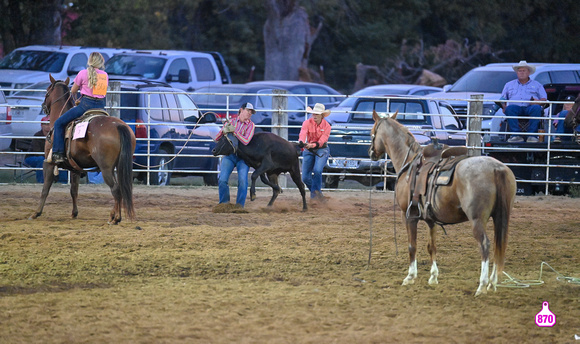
<point>227,144</point>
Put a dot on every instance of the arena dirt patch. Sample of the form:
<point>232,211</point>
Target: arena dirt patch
<point>182,273</point>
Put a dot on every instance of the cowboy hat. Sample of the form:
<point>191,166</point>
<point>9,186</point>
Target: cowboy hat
<point>523,63</point>
<point>318,110</point>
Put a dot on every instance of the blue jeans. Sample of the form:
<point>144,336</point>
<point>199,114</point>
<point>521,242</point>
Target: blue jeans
<point>312,166</point>
<point>37,161</point>
<point>521,111</point>
<point>226,168</point>
<point>72,114</point>
<point>561,128</point>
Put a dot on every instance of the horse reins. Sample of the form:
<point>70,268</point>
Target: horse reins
<point>45,108</point>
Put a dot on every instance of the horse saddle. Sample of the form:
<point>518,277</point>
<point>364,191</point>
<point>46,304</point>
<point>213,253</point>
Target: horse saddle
<point>432,168</point>
<point>87,117</point>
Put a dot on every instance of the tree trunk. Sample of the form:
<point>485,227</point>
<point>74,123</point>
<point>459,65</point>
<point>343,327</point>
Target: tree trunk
<point>287,40</point>
<point>46,28</point>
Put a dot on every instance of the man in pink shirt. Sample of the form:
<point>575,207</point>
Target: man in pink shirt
<point>314,133</point>
<point>242,128</point>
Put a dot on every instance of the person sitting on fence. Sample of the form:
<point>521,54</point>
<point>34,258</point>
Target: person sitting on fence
<point>523,88</point>
<point>558,126</point>
<point>37,145</point>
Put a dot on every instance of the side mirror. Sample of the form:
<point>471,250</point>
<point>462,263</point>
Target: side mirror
<point>183,76</point>
<point>74,70</point>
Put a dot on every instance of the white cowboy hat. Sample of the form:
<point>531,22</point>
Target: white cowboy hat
<point>318,110</point>
<point>523,63</point>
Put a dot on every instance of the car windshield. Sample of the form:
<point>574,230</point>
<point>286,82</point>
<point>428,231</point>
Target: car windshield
<point>219,96</point>
<point>45,61</point>
<point>483,81</point>
<point>349,102</point>
<point>37,90</point>
<point>149,67</point>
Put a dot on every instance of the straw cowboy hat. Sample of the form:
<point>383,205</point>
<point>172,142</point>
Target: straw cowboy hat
<point>523,63</point>
<point>318,110</point>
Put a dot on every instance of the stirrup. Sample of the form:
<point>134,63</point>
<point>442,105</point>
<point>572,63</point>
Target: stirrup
<point>407,214</point>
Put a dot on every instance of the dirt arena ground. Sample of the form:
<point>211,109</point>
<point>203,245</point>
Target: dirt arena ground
<point>181,273</point>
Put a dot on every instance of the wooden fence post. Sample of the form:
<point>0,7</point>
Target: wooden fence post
<point>474,118</point>
<point>114,99</point>
<point>280,119</point>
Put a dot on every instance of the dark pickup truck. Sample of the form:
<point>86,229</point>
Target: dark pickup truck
<point>533,162</point>
<point>350,134</point>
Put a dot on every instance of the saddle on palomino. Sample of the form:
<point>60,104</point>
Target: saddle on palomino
<point>432,168</point>
<point>71,133</point>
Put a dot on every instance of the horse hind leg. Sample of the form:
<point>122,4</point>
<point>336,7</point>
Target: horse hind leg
<point>412,238</point>
<point>482,239</point>
<point>432,249</point>
<point>115,215</point>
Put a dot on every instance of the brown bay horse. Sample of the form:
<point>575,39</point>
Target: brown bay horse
<point>481,187</point>
<point>109,144</point>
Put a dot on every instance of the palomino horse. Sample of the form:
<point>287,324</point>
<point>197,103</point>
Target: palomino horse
<point>109,144</point>
<point>480,187</point>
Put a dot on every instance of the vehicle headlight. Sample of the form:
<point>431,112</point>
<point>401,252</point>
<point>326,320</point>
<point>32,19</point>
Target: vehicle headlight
<point>489,111</point>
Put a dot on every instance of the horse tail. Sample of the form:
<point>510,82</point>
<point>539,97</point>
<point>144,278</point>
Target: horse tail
<point>125,170</point>
<point>505,194</point>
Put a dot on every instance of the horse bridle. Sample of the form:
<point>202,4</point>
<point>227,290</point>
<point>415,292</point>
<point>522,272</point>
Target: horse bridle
<point>45,108</point>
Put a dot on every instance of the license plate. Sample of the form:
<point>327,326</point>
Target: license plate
<point>346,163</point>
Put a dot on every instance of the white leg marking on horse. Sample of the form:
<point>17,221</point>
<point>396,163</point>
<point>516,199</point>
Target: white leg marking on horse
<point>493,278</point>
<point>483,279</point>
<point>434,274</point>
<point>410,279</point>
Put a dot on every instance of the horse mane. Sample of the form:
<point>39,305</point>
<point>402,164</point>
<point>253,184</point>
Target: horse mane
<point>410,140</point>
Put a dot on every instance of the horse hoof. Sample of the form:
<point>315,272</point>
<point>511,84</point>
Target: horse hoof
<point>252,198</point>
<point>480,290</point>
<point>433,281</point>
<point>408,281</point>
<point>491,286</point>
<point>33,216</point>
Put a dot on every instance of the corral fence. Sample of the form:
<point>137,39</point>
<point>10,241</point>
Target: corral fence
<point>553,157</point>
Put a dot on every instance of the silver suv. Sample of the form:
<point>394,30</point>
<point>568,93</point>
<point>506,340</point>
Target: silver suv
<point>28,65</point>
<point>490,79</point>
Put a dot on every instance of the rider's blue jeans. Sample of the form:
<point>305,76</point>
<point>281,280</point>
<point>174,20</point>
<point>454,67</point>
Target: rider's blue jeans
<point>72,114</point>
<point>229,162</point>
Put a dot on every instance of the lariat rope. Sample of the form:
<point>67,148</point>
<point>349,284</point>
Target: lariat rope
<point>182,148</point>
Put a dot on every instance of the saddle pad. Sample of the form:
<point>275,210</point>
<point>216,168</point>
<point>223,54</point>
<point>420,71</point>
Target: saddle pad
<point>80,130</point>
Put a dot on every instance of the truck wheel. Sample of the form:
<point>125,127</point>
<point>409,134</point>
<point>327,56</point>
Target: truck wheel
<point>331,182</point>
<point>162,178</point>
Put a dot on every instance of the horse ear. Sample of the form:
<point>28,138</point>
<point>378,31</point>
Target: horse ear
<point>67,81</point>
<point>52,81</point>
<point>376,116</point>
<point>394,116</point>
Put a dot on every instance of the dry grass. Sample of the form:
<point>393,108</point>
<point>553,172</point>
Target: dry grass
<point>184,273</point>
